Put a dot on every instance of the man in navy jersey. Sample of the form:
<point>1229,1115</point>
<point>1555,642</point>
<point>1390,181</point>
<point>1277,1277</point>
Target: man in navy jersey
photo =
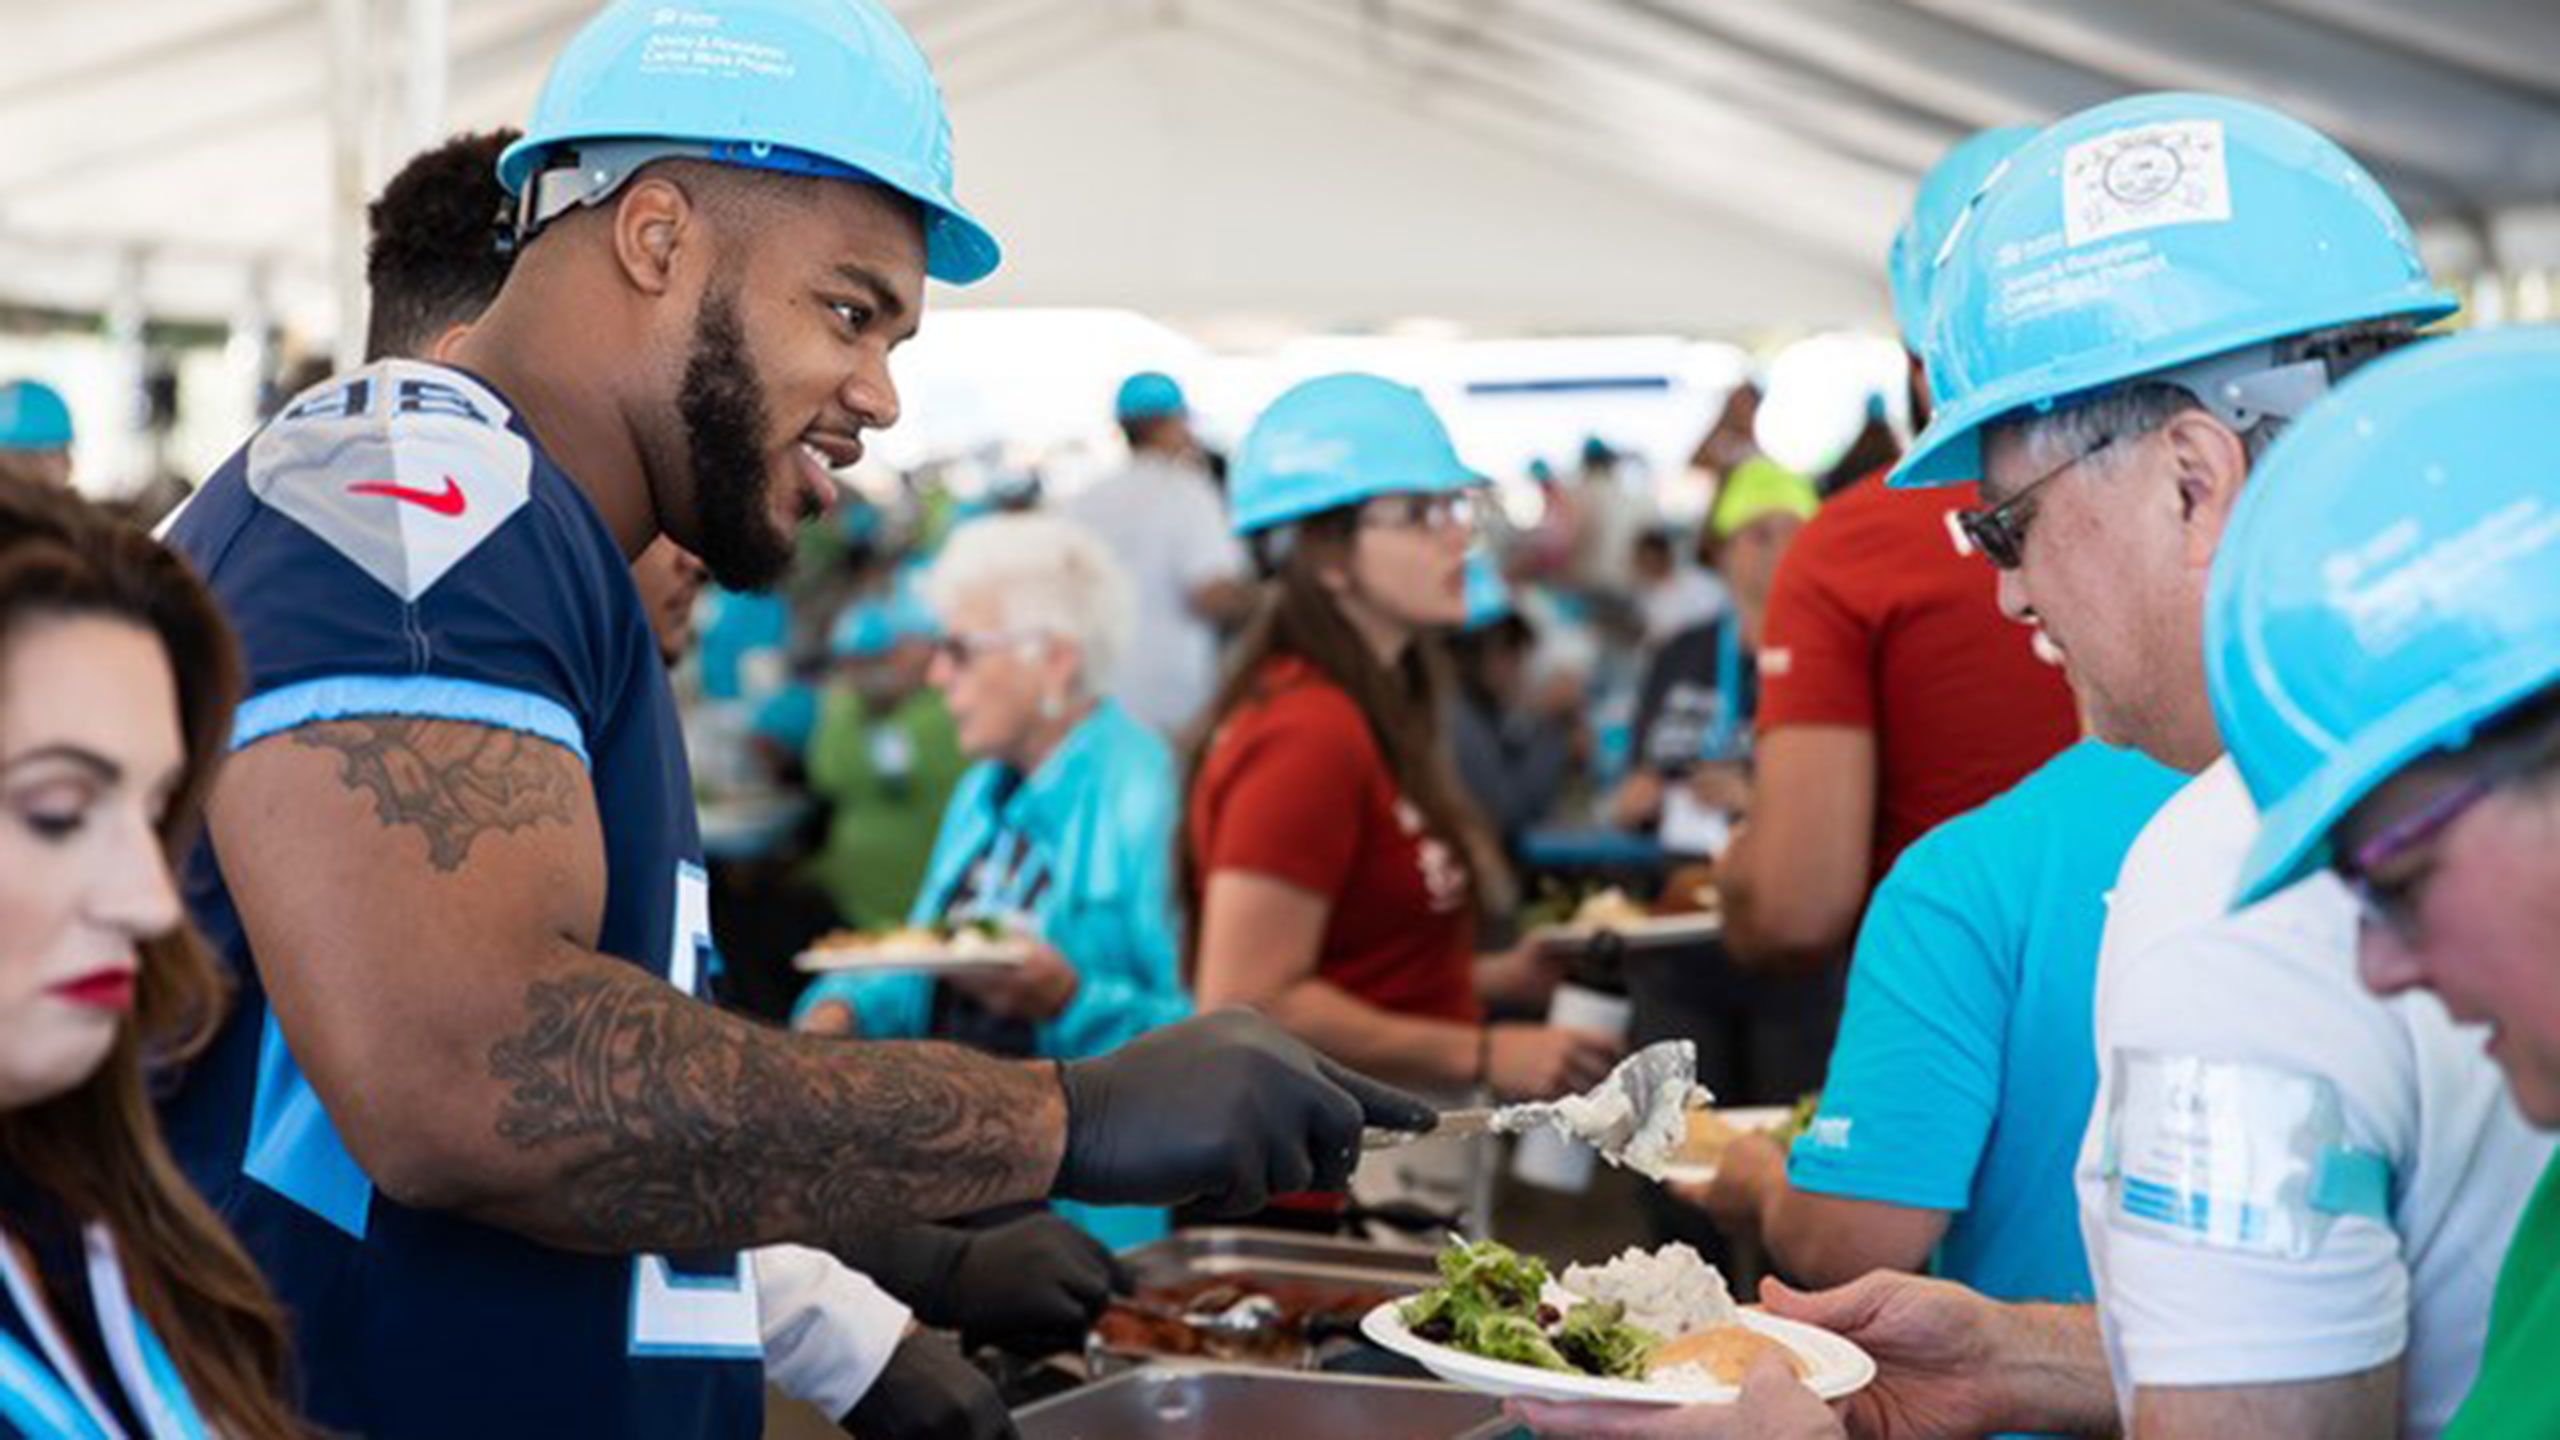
<point>496,1159</point>
<point>435,257</point>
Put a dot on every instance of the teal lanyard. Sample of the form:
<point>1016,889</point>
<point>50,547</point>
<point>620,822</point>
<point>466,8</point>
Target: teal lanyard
<point>1729,716</point>
<point>37,1403</point>
<point>35,1398</point>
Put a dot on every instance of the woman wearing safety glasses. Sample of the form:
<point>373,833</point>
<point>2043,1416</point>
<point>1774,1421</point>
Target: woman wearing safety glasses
<point>2383,645</point>
<point>1062,831</point>
<point>1334,868</point>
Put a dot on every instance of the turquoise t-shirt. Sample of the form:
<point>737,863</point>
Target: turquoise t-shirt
<point>1965,1067</point>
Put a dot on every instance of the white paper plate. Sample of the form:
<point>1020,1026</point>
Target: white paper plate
<point>1834,1366</point>
<point>1652,932</point>
<point>994,955</point>
<point>1748,1119</point>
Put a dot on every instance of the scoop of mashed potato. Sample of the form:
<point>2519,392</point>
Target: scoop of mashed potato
<point>1671,1292</point>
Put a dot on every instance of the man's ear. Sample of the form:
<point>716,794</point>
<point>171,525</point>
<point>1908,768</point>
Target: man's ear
<point>652,221</point>
<point>2211,463</point>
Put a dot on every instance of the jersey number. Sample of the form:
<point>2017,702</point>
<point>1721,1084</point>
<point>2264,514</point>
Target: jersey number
<point>681,1307</point>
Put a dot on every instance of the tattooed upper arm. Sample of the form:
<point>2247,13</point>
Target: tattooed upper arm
<point>400,881</point>
<point>451,782</point>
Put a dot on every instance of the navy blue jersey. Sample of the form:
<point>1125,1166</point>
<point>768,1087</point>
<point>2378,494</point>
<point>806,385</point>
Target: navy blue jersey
<point>395,543</point>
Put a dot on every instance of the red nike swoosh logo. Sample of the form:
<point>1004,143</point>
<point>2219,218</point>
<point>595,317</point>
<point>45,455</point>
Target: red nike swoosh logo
<point>448,501</point>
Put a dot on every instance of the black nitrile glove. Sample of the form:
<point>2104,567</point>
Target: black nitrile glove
<point>929,1391</point>
<point>1032,1285</point>
<point>1228,1110</point>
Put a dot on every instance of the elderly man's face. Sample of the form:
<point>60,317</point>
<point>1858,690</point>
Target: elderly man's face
<point>2102,574</point>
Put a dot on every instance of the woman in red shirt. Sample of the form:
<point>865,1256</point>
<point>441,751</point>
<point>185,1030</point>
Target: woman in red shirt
<point>1335,870</point>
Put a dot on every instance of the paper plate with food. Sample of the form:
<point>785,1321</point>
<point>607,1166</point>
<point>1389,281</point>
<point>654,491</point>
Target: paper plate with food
<point>1701,1149</point>
<point>974,945</point>
<point>1653,1327</point>
<point>1677,919</point>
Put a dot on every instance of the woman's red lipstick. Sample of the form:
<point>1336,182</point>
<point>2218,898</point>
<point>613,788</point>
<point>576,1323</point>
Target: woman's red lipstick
<point>100,989</point>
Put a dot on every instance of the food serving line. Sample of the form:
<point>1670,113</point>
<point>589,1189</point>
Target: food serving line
<point>1238,1331</point>
<point>1234,1331</point>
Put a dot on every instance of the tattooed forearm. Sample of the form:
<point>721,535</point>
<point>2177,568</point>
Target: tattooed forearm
<point>453,782</point>
<point>690,1127</point>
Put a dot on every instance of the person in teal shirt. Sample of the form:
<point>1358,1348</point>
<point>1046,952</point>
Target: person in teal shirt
<point>1964,1071</point>
<point>1063,829</point>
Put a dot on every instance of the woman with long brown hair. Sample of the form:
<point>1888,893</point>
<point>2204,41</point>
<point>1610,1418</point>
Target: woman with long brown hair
<point>127,1310</point>
<point>1334,869</point>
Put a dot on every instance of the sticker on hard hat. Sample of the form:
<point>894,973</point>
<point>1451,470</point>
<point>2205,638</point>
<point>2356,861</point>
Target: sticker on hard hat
<point>2394,586</point>
<point>681,42</point>
<point>2144,178</point>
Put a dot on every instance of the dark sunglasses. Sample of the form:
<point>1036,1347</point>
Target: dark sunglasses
<point>2000,531</point>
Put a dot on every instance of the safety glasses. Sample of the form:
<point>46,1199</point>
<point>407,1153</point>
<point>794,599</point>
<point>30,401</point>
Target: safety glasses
<point>2392,899</point>
<point>963,650</point>
<point>1453,510</point>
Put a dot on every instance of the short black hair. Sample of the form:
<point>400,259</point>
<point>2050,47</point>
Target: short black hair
<point>438,253</point>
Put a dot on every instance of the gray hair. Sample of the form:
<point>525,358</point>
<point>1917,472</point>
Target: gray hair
<point>2254,391</point>
<point>1048,575</point>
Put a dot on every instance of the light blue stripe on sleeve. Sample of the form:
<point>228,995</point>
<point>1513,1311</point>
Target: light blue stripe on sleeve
<point>293,1147</point>
<point>424,697</point>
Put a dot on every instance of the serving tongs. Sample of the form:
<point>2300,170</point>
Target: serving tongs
<point>1640,1077</point>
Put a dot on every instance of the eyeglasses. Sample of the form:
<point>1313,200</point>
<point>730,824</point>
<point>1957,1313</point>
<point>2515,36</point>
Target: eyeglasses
<point>1454,510</point>
<point>2000,532</point>
<point>2393,900</point>
<point>963,650</point>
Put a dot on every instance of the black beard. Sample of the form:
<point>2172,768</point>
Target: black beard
<point>722,405</point>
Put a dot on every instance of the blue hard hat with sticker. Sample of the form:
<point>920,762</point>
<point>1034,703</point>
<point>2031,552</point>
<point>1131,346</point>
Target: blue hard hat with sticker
<point>2144,235</point>
<point>831,88</point>
<point>2388,583</point>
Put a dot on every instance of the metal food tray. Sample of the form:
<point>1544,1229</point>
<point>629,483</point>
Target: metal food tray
<point>1280,1255</point>
<point>1207,1401</point>
<point>1331,1271</point>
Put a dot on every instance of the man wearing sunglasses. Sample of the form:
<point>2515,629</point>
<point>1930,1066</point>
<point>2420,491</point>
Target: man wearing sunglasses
<point>2283,1185</point>
<point>2286,1188</point>
<point>2413,749</point>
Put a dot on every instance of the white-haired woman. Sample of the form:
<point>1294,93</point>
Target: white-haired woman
<point>1063,827</point>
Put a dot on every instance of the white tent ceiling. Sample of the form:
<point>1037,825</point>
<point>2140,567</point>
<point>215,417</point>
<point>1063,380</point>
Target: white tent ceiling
<point>1697,165</point>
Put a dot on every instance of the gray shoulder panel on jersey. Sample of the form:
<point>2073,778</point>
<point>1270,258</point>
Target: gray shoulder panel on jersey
<point>403,467</point>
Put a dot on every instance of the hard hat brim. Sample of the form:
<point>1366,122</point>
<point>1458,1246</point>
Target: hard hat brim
<point>958,249</point>
<point>1949,450</point>
<point>2293,834</point>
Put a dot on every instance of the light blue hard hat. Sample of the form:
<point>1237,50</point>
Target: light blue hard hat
<point>1337,440</point>
<point>1147,395</point>
<point>875,625</point>
<point>830,88</point>
<point>1941,197</point>
<point>33,417</point>
<point>2388,583</point>
<point>1488,594</point>
<point>2143,236</point>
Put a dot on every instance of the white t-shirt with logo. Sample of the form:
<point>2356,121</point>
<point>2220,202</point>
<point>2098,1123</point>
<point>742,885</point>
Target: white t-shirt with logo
<point>1164,522</point>
<point>2217,1035</point>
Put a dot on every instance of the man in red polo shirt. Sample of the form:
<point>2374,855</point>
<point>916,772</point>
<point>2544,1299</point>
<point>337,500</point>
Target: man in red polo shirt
<point>1893,694</point>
